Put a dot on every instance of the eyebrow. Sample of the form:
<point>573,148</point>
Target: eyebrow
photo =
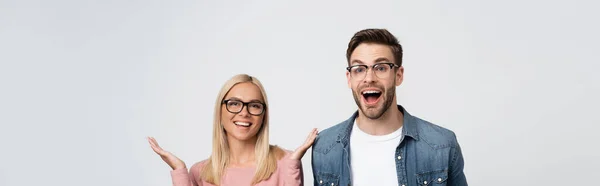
<point>378,60</point>
<point>382,59</point>
<point>251,101</point>
<point>353,62</point>
<point>255,101</point>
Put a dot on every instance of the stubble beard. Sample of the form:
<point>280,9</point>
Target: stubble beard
<point>378,111</point>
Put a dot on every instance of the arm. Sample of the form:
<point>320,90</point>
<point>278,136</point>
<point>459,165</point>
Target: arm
<point>181,177</point>
<point>456,174</point>
<point>292,172</point>
<point>294,165</point>
<point>179,174</point>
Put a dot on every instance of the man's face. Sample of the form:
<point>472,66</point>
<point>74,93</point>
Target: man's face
<point>374,88</point>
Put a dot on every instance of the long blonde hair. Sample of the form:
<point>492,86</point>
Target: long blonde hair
<point>266,155</point>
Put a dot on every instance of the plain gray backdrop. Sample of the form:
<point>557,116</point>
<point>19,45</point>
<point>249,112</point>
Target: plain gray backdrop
<point>84,82</point>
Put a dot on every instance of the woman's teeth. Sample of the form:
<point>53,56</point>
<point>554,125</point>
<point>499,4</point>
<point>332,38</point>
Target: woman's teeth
<point>242,123</point>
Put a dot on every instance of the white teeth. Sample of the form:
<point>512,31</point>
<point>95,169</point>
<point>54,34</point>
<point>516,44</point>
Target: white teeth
<point>242,123</point>
<point>371,92</point>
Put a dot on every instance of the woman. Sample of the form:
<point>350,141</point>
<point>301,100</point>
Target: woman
<point>241,153</point>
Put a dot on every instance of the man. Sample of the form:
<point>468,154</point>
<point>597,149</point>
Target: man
<point>381,143</point>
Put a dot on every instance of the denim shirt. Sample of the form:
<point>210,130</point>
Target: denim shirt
<point>427,155</point>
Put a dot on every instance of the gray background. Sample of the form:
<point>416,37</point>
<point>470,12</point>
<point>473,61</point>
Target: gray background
<point>84,82</point>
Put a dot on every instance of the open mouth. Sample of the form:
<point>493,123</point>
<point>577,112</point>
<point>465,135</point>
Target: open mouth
<point>371,96</point>
<point>242,124</point>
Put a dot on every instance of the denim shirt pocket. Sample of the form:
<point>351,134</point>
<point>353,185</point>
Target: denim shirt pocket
<point>438,177</point>
<point>327,179</point>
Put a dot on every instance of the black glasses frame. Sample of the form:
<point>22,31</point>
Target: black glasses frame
<point>245,104</point>
<point>392,66</point>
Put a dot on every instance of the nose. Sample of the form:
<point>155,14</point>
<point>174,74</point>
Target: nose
<point>244,111</point>
<point>370,76</point>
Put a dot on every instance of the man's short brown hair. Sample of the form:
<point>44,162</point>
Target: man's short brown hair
<point>377,36</point>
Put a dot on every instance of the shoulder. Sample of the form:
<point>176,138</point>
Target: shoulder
<point>197,167</point>
<point>329,136</point>
<point>200,164</point>
<point>279,152</point>
<point>333,130</point>
<point>435,135</point>
<point>283,159</point>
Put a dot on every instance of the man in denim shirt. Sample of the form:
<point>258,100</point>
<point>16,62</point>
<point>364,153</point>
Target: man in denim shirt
<point>381,143</point>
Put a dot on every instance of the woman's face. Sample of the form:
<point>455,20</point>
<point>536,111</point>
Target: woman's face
<point>242,113</point>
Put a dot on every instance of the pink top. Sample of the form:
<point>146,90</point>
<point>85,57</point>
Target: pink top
<point>288,173</point>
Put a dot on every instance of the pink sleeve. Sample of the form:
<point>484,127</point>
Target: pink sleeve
<point>292,172</point>
<point>181,177</point>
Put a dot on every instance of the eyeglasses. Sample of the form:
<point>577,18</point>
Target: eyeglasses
<point>381,70</point>
<point>236,106</point>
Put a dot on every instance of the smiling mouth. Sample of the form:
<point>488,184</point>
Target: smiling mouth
<point>242,124</point>
<point>371,96</point>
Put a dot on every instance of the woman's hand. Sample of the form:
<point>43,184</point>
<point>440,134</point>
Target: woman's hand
<point>172,160</point>
<point>297,155</point>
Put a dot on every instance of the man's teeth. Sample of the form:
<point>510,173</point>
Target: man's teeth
<point>371,92</point>
<point>242,123</point>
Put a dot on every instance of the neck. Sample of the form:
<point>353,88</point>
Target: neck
<point>390,121</point>
<point>241,152</point>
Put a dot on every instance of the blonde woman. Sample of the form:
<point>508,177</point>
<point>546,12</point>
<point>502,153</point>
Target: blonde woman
<point>241,153</point>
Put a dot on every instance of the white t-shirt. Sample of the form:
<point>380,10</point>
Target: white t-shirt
<point>372,157</point>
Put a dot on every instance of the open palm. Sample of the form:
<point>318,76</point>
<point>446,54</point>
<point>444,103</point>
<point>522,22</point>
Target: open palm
<point>173,161</point>
<point>299,152</point>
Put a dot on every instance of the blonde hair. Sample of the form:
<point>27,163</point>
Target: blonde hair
<point>266,154</point>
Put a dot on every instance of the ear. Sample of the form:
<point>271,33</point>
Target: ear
<point>399,75</point>
<point>348,78</point>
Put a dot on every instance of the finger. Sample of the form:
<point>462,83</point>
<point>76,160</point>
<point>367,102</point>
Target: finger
<point>152,142</point>
<point>303,146</point>
<point>309,140</point>
<point>155,147</point>
<point>310,134</point>
<point>299,152</point>
<point>313,136</point>
<point>156,150</point>
<point>155,143</point>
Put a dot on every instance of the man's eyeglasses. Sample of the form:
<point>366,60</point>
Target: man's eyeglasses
<point>381,70</point>
<point>236,106</point>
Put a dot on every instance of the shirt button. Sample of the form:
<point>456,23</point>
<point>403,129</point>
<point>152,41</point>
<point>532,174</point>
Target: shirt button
<point>320,181</point>
<point>403,185</point>
<point>425,182</point>
<point>331,184</point>
<point>439,179</point>
<point>399,157</point>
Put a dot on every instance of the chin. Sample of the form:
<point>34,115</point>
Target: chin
<point>373,112</point>
<point>243,137</point>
